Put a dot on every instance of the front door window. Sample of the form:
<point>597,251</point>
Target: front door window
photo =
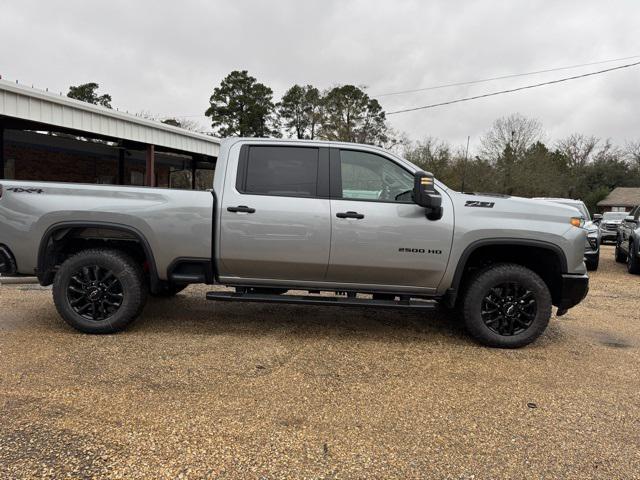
<point>366,176</point>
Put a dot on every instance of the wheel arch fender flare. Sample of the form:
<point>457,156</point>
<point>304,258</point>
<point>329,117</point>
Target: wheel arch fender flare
<point>43,274</point>
<point>454,290</point>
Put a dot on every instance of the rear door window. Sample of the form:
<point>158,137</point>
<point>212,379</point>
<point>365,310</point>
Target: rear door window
<point>279,171</point>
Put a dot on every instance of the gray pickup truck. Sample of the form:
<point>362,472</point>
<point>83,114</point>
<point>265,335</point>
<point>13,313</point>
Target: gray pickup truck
<point>336,223</point>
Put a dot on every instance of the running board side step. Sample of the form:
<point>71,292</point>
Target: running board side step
<point>413,304</point>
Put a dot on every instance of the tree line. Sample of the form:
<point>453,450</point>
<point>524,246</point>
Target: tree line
<point>242,106</point>
<point>514,158</point>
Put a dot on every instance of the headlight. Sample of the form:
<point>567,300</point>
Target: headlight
<point>577,222</point>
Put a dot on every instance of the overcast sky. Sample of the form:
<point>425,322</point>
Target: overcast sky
<point>165,57</point>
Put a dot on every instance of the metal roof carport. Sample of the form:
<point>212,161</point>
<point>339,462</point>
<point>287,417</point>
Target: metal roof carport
<point>26,108</point>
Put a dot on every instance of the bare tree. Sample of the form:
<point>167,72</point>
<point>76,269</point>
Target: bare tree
<point>183,123</point>
<point>430,154</point>
<point>632,149</point>
<point>578,149</point>
<point>515,131</point>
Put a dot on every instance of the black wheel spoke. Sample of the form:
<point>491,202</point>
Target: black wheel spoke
<point>77,290</point>
<point>94,292</point>
<point>508,308</point>
<point>493,303</point>
<point>83,308</point>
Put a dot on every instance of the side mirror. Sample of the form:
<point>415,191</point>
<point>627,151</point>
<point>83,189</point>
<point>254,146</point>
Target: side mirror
<point>597,217</point>
<point>426,195</point>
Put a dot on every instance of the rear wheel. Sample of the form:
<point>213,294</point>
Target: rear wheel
<point>99,291</point>
<point>506,306</point>
<point>633,264</point>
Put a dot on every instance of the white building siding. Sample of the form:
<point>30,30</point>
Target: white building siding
<point>31,104</point>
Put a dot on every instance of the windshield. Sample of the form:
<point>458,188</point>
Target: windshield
<point>614,215</point>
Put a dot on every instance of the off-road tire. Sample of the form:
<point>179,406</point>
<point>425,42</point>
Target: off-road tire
<point>620,256</point>
<point>131,285</point>
<point>480,287</point>
<point>592,264</point>
<point>633,263</point>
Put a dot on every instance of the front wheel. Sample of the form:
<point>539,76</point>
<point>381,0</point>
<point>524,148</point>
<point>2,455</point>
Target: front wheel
<point>633,264</point>
<point>592,263</point>
<point>99,291</point>
<point>506,306</point>
<point>621,257</point>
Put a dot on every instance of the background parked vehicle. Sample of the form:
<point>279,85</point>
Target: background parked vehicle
<point>609,225</point>
<point>628,241</point>
<point>592,244</point>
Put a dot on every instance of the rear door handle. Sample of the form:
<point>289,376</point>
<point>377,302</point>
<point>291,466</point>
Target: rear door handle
<point>241,209</point>
<point>356,215</point>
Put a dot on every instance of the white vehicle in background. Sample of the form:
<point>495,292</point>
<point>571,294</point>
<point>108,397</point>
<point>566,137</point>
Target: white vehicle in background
<point>594,239</point>
<point>609,225</point>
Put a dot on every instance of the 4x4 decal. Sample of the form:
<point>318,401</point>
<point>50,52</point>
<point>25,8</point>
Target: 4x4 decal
<point>25,190</point>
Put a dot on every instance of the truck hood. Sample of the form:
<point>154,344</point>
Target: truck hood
<point>520,208</point>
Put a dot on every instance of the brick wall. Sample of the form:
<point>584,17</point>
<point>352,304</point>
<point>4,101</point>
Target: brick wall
<point>38,157</point>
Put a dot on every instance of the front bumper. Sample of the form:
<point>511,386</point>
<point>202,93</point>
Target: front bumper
<point>574,289</point>
<point>608,235</point>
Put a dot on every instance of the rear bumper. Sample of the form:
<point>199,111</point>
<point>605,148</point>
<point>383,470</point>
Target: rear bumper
<point>574,290</point>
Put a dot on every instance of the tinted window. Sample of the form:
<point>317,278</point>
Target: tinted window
<point>282,171</point>
<point>366,176</point>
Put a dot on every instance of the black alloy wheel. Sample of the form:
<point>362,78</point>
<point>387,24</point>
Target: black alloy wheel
<point>95,293</point>
<point>508,309</point>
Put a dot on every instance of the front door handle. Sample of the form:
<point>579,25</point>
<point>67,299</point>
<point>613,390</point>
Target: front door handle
<point>241,209</point>
<point>356,215</point>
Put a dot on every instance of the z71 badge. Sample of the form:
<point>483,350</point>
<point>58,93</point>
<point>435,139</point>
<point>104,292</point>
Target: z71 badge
<point>476,203</point>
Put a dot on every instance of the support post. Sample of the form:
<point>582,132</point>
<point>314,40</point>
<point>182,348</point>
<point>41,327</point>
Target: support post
<point>194,164</point>
<point>121,166</point>
<point>151,167</point>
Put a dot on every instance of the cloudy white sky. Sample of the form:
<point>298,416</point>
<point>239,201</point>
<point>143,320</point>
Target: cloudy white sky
<point>165,57</point>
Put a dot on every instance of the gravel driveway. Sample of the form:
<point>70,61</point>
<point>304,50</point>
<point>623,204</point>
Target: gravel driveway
<point>199,389</point>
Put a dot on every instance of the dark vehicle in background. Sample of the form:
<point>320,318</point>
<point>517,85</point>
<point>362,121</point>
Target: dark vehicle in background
<point>609,225</point>
<point>628,241</point>
<point>592,244</point>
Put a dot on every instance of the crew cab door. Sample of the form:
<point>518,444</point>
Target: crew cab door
<point>379,236</point>
<point>275,213</point>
